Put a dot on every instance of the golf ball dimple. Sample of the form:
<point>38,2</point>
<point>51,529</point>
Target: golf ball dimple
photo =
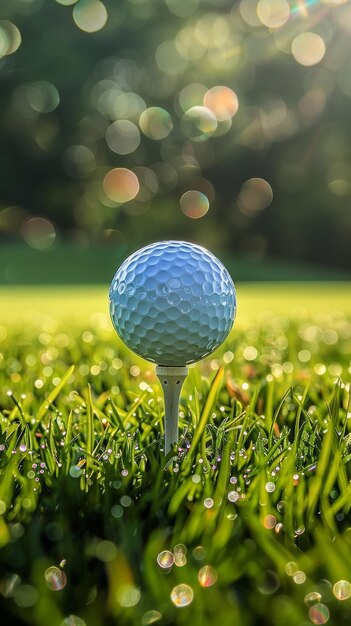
<point>172,302</point>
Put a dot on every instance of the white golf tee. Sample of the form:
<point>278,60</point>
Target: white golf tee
<point>171,379</point>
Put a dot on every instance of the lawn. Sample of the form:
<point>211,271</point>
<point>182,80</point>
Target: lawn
<point>251,522</point>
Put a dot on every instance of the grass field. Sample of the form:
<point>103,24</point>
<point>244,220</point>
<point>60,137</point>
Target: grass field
<point>250,524</point>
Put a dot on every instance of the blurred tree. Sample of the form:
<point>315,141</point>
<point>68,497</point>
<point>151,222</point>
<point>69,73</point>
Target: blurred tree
<point>112,113</point>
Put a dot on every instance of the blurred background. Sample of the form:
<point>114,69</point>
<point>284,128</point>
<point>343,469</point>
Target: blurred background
<point>223,123</point>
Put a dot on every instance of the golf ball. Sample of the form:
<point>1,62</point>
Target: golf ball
<point>172,302</point>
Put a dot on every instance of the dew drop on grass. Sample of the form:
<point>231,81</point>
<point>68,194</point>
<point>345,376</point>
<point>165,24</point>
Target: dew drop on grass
<point>312,598</point>
<point>319,613</point>
<point>182,595</point>
<point>150,617</point>
<point>270,487</point>
<point>291,568</point>
<point>299,577</point>
<point>342,590</point>
<point>199,553</point>
<point>55,578</point>
<point>165,559</point>
<point>75,472</point>
<point>208,503</point>
<point>180,559</point>
<point>23,447</point>
<point>233,496</point>
<point>207,576</point>
<point>269,522</point>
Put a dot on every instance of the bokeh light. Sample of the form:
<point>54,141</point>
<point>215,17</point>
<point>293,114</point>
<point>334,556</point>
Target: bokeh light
<point>194,204</point>
<point>248,12</point>
<point>43,96</point>
<point>90,15</point>
<point>121,185</point>
<point>148,182</point>
<point>168,58</point>
<point>182,8</point>
<point>255,195</point>
<point>199,123</point>
<point>222,101</point>
<point>55,578</point>
<point>78,161</point>
<point>308,48</point>
<point>273,13</point>
<point>182,595</point>
<point>123,137</point>
<point>156,123</point>
<point>38,232</point>
<point>191,95</point>
<point>10,38</point>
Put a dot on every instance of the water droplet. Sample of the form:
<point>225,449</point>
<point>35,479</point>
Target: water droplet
<point>208,503</point>
<point>270,487</point>
<point>151,617</point>
<point>199,553</point>
<point>23,447</point>
<point>207,576</point>
<point>319,613</point>
<point>299,577</point>
<point>291,568</point>
<point>165,559</point>
<point>180,559</point>
<point>55,578</point>
<point>269,522</point>
<point>233,496</point>
<point>342,590</point>
<point>312,598</point>
<point>180,547</point>
<point>182,595</point>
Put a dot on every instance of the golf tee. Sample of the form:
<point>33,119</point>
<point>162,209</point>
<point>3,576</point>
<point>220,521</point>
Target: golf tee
<point>171,379</point>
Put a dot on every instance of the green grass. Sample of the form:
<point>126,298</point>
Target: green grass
<point>257,502</point>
